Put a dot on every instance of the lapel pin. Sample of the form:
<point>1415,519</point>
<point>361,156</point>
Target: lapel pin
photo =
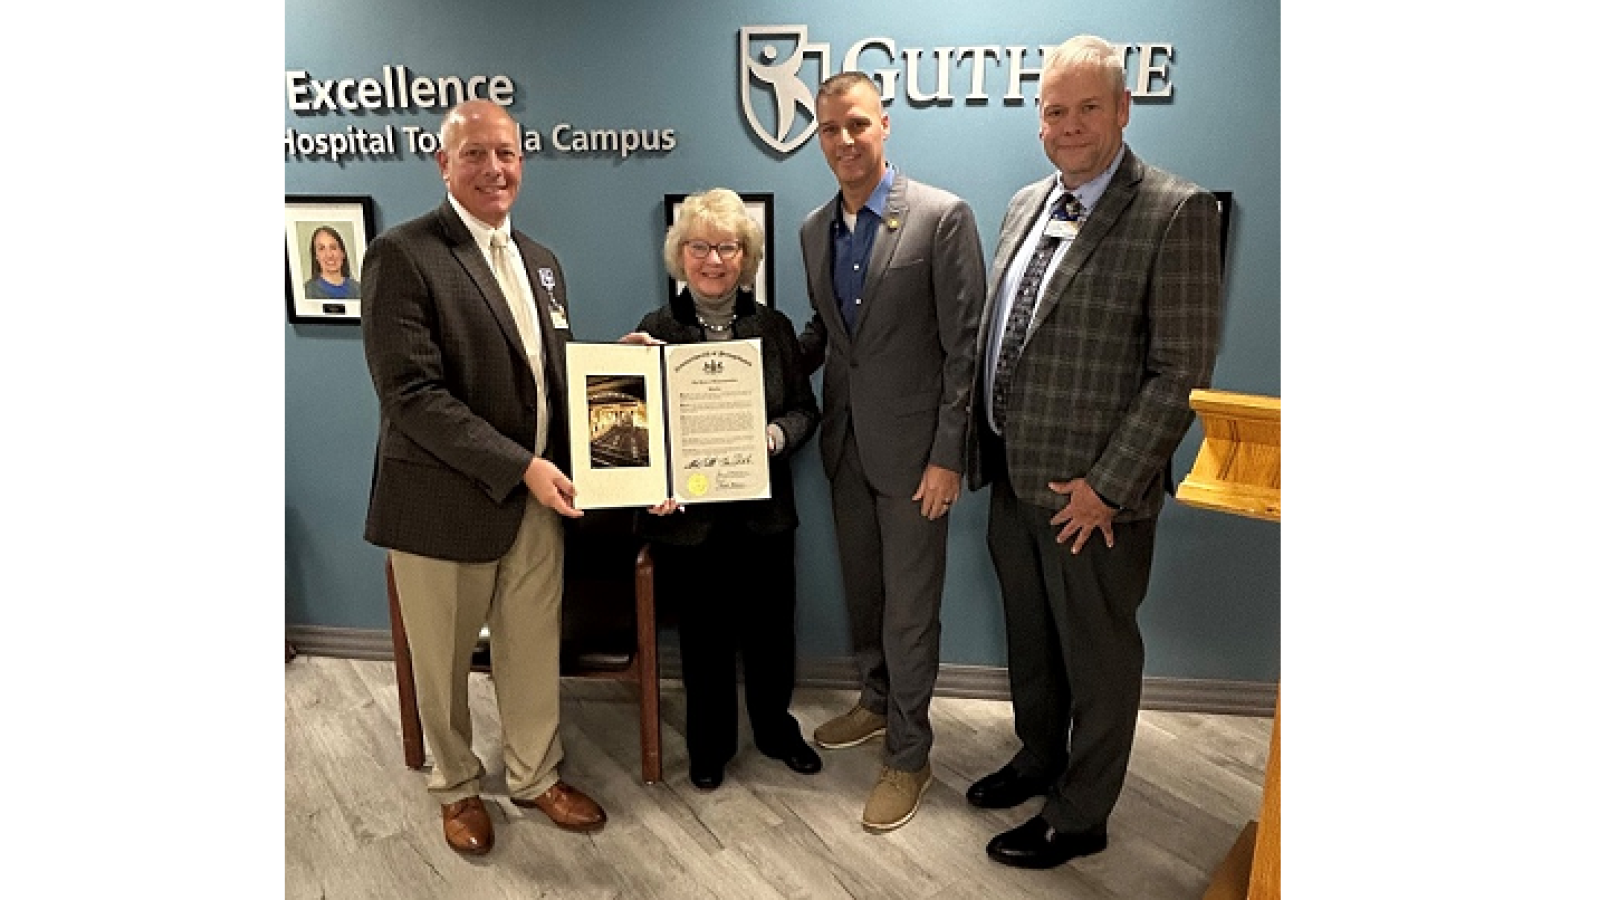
<point>894,222</point>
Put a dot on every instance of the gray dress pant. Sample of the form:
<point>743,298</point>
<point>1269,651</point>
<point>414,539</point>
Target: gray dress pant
<point>893,563</point>
<point>1076,657</point>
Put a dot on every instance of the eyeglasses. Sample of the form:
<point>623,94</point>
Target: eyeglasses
<point>726,249</point>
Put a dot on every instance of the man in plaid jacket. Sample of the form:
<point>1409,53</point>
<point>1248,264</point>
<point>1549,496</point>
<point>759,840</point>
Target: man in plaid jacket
<point>1103,314</point>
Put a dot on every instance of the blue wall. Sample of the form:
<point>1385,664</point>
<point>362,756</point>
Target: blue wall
<point>1213,607</point>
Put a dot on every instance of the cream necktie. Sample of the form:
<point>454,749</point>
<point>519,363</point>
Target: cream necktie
<point>505,272</point>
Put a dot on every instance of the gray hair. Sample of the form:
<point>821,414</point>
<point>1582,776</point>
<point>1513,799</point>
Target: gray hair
<point>1091,52</point>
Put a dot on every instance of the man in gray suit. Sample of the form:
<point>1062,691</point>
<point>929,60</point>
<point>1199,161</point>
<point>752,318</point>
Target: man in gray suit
<point>1103,314</point>
<point>894,269</point>
<point>465,329</point>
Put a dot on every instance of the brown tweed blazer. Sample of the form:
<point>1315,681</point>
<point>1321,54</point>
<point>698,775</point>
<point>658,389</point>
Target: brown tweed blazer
<point>455,392</point>
<point>1127,325</point>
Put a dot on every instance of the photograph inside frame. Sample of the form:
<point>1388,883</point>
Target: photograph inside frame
<point>326,242</point>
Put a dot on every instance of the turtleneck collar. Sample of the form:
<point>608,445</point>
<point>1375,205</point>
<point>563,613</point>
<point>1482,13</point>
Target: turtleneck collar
<point>716,310</point>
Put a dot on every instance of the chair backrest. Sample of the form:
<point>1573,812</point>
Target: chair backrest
<point>598,623</point>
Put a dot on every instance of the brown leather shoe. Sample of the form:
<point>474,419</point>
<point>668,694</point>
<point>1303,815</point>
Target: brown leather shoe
<point>567,807</point>
<point>467,828</point>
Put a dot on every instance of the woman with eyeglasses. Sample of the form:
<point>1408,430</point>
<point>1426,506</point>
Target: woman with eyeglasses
<point>729,567</point>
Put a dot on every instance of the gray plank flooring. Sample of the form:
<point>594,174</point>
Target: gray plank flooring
<point>359,824</point>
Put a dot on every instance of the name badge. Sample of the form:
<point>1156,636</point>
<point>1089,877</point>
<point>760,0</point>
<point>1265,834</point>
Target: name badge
<point>558,312</point>
<point>1061,229</point>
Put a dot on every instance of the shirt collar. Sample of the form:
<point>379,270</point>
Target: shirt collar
<point>481,231</point>
<point>876,202</point>
<point>1090,192</point>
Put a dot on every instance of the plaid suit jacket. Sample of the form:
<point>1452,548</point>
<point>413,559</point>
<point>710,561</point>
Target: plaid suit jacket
<point>455,392</point>
<point>1126,327</point>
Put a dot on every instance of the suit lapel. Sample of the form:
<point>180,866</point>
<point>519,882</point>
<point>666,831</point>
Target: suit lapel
<point>818,235</point>
<point>1016,230</point>
<point>543,282</point>
<point>1012,232</point>
<point>545,301</point>
<point>1119,193</point>
<point>467,253</point>
<point>884,243</point>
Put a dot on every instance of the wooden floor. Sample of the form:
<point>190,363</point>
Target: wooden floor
<point>358,823</point>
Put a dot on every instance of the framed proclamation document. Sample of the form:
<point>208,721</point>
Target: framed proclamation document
<point>686,421</point>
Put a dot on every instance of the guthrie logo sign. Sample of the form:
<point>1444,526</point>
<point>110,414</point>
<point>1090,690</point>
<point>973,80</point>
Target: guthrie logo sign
<point>780,64</point>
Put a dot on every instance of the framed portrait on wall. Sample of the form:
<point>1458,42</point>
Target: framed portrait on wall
<point>326,241</point>
<point>759,208</point>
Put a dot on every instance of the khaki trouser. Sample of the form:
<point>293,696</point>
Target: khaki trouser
<point>445,605</point>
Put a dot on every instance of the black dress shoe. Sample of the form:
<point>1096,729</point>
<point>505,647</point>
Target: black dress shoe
<point>1004,789</point>
<point>706,778</point>
<point>796,754</point>
<point>1036,845</point>
<point>801,758</point>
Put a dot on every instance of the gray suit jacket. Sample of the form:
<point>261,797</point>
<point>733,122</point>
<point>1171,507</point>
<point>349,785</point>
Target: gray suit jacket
<point>454,388</point>
<point>906,374</point>
<point>1126,327</point>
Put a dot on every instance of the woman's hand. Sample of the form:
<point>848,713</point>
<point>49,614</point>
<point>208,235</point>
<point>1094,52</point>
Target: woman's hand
<point>666,508</point>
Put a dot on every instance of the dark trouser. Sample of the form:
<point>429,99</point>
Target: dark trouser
<point>735,598</point>
<point>1076,656</point>
<point>893,564</point>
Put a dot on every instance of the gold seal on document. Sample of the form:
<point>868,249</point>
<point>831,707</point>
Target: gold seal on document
<point>698,484</point>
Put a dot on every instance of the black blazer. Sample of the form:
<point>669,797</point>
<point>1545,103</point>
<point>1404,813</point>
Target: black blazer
<point>790,403</point>
<point>454,389</point>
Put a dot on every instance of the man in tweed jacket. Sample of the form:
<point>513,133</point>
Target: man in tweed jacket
<point>1078,451</point>
<point>467,491</point>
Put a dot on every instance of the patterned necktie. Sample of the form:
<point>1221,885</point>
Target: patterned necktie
<point>1067,209</point>
<point>527,325</point>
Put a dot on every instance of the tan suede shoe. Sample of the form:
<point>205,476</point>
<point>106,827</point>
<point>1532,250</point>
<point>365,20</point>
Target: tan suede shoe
<point>857,726</point>
<point>896,798</point>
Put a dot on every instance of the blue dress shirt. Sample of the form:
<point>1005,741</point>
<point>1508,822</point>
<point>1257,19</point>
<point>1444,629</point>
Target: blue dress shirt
<point>852,250</point>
